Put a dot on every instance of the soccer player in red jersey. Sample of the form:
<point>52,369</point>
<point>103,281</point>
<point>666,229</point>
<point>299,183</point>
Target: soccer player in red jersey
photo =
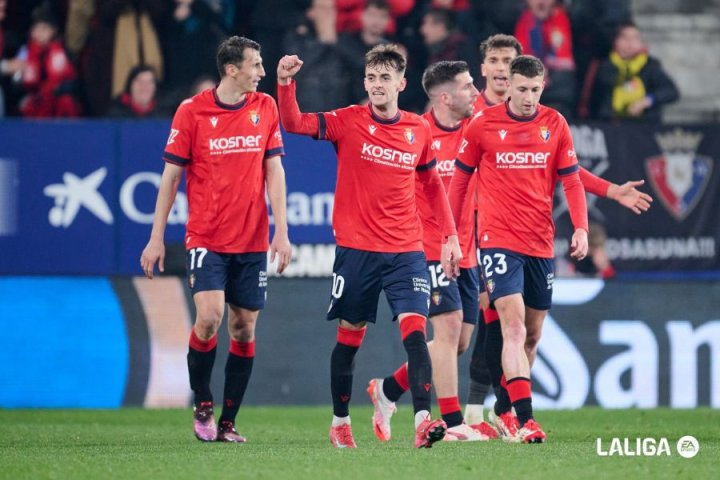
<point>454,304</point>
<point>498,52</point>
<point>228,141</point>
<point>377,229</point>
<point>520,148</point>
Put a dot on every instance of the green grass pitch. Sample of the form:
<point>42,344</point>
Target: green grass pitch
<point>292,443</point>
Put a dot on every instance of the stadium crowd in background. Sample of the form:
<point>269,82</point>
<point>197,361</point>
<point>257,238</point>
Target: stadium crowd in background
<point>104,40</point>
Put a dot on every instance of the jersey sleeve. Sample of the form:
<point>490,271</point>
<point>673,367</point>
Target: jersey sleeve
<point>468,158</point>
<point>568,170</point>
<point>465,166</point>
<point>427,159</point>
<point>594,184</point>
<point>274,145</point>
<point>179,143</point>
<point>333,124</point>
<point>567,162</point>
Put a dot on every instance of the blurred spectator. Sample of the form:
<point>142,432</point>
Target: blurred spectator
<point>138,100</point>
<point>324,82</point>
<point>464,17</point>
<point>270,22</point>
<point>350,12</point>
<point>20,14</point>
<point>190,33</point>
<point>544,31</point>
<point>49,78</point>
<point>593,28</point>
<point>353,46</point>
<point>122,36</point>
<point>631,84</point>
<point>443,41</point>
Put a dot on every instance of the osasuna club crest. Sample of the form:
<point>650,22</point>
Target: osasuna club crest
<point>254,117</point>
<point>409,136</point>
<point>679,175</point>
<point>544,134</point>
<point>436,298</point>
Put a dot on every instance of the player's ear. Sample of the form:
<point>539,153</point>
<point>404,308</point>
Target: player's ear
<point>403,84</point>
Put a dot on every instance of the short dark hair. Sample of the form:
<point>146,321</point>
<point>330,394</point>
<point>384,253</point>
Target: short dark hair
<point>442,15</point>
<point>442,72</point>
<point>137,70</point>
<point>232,51</point>
<point>44,13</point>
<point>500,41</point>
<point>527,66</point>
<point>622,26</point>
<point>379,4</point>
<point>386,55</point>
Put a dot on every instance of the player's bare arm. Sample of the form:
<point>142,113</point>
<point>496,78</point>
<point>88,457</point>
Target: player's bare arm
<point>154,251</point>
<point>630,197</point>
<point>288,67</point>
<point>275,180</point>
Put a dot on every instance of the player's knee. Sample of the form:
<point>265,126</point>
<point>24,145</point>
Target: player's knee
<point>514,333</point>
<point>242,333</point>
<point>447,328</point>
<point>208,321</point>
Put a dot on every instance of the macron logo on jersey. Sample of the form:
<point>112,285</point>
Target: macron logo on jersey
<point>521,159</point>
<point>387,156</point>
<point>224,145</point>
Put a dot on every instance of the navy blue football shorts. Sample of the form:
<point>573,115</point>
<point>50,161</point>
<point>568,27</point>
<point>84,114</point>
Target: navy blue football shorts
<point>507,272</point>
<point>242,276</point>
<point>359,276</point>
<point>444,293</point>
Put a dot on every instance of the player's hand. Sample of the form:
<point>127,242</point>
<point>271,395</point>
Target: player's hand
<point>630,197</point>
<point>484,299</point>
<point>280,247</point>
<point>288,67</point>
<point>579,244</point>
<point>154,253</point>
<point>450,257</point>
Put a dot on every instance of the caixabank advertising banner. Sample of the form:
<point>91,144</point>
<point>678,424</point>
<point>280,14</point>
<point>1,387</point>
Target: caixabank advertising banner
<point>78,197</point>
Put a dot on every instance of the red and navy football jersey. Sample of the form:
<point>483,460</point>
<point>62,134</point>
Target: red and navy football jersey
<point>375,207</point>
<point>223,148</point>
<point>518,161</point>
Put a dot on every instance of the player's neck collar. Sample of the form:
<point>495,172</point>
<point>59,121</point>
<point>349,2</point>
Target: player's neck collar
<point>488,102</point>
<point>443,127</point>
<point>520,118</point>
<point>384,121</point>
<point>228,106</point>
